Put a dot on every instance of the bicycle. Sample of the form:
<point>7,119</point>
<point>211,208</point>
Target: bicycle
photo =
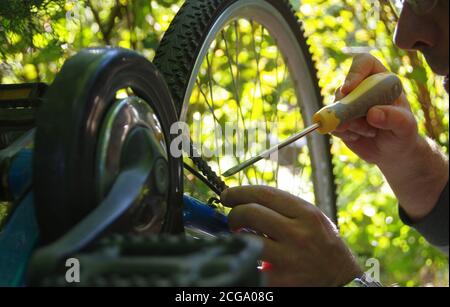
<point>117,102</point>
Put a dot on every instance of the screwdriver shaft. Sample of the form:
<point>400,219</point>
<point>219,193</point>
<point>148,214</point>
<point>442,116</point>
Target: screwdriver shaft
<point>378,89</point>
<point>270,151</point>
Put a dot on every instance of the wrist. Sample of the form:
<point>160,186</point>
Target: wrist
<point>349,273</point>
<point>411,159</point>
<point>364,281</point>
<point>418,177</point>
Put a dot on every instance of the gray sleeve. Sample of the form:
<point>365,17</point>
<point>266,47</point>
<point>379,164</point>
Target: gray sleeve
<point>435,226</point>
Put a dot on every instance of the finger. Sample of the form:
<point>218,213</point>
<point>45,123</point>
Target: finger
<point>339,95</point>
<point>276,279</point>
<point>347,136</point>
<point>362,127</point>
<point>271,251</point>
<point>365,149</point>
<point>343,127</point>
<point>395,118</point>
<point>277,200</point>
<point>403,102</point>
<point>363,66</point>
<point>260,219</point>
<point>358,126</point>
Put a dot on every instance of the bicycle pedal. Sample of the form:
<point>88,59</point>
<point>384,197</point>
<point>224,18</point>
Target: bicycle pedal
<point>148,261</point>
<point>18,106</point>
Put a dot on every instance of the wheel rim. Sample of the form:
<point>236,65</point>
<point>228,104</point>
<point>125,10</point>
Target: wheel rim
<point>263,14</point>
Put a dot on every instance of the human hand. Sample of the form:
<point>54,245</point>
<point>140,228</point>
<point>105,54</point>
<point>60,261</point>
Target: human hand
<point>388,131</point>
<point>302,245</point>
<point>414,166</point>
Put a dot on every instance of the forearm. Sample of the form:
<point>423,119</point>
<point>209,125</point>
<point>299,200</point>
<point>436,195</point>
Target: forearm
<point>435,226</point>
<point>418,178</point>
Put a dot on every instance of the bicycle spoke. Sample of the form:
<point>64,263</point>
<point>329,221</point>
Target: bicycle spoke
<point>236,31</point>
<point>230,66</point>
<point>205,97</point>
<point>215,125</point>
<point>269,65</point>
<point>255,82</point>
<point>258,75</point>
<point>210,79</point>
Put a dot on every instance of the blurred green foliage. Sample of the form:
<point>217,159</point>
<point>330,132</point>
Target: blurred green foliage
<point>36,39</point>
<point>3,213</point>
<point>244,84</point>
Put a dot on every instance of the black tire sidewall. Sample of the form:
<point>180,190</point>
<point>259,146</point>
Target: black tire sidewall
<point>68,128</point>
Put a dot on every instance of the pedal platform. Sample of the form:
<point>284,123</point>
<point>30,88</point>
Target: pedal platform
<point>18,107</point>
<point>154,261</point>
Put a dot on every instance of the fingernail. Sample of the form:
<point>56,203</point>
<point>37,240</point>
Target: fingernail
<point>368,133</point>
<point>346,83</point>
<point>371,134</point>
<point>378,116</point>
<point>352,138</point>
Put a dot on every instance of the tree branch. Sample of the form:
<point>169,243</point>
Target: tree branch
<point>106,30</point>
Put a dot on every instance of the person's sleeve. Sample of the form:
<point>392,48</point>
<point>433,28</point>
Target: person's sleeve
<point>435,226</point>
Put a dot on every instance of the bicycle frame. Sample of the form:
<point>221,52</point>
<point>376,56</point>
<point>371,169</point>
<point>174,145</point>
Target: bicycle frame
<point>20,233</point>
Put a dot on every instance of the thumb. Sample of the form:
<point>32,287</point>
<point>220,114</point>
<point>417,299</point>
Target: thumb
<point>363,66</point>
<point>395,118</point>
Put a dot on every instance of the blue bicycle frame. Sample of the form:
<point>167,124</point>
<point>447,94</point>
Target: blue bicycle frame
<point>20,234</point>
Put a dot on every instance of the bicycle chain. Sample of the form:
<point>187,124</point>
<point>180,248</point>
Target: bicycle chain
<point>205,169</point>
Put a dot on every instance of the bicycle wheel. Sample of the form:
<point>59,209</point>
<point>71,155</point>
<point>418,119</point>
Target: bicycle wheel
<point>246,63</point>
<point>101,102</point>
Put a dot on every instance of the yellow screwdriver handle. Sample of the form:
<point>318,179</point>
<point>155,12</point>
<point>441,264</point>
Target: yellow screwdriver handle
<point>379,89</point>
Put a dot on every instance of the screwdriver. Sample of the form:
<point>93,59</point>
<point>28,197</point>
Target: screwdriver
<point>378,89</point>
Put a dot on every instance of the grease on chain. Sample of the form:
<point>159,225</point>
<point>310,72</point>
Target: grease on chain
<point>205,169</point>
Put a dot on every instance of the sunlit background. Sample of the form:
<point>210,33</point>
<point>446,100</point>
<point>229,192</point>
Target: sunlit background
<point>244,86</point>
<point>33,48</point>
